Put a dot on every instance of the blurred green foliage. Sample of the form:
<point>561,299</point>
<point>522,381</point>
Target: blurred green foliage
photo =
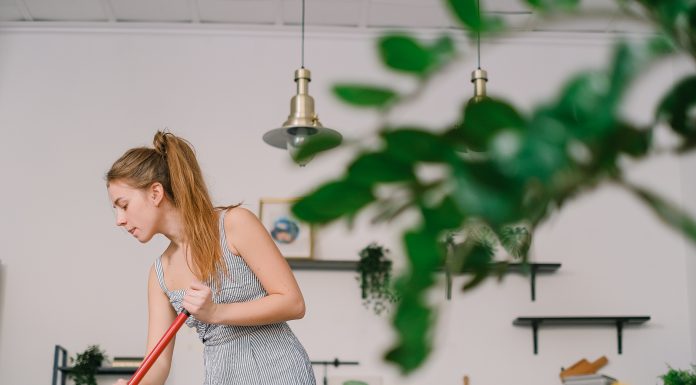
<point>506,170</point>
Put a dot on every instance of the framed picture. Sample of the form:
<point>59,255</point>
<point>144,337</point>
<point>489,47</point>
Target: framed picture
<point>293,237</point>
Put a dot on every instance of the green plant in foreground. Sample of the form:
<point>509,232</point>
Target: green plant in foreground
<point>86,364</point>
<point>527,164</point>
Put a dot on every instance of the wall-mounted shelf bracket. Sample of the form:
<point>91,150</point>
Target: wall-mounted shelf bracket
<point>618,321</point>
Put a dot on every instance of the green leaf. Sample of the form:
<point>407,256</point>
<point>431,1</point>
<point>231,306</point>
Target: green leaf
<point>404,53</point>
<point>658,46</point>
<point>631,141</point>
<point>678,108</point>
<point>467,12</point>
<point>588,103</point>
<point>484,119</point>
<point>538,154</point>
<point>487,174</point>
<point>670,12</point>
<point>332,201</point>
<point>630,59</point>
<point>443,217</point>
<point>667,212</point>
<point>412,322</point>
<point>413,145</point>
<point>424,253</point>
<point>625,66</point>
<point>553,5</point>
<point>314,144</point>
<point>583,106</point>
<point>365,95</point>
<point>372,168</point>
<point>483,192</point>
<point>443,47</point>
<point>413,319</point>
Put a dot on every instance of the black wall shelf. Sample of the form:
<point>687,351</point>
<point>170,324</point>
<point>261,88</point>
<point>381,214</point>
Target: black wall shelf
<point>519,268</point>
<point>618,321</point>
<point>342,265</point>
<point>319,264</point>
<point>60,368</point>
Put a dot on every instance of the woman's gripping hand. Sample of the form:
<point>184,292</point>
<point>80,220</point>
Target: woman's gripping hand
<point>199,302</point>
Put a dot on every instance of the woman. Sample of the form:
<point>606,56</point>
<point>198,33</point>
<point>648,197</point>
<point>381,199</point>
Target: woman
<point>221,265</point>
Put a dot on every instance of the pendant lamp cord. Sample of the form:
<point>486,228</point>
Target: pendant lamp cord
<point>303,22</point>
<point>478,32</point>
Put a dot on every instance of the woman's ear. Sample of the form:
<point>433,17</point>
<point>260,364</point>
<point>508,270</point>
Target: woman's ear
<point>156,193</point>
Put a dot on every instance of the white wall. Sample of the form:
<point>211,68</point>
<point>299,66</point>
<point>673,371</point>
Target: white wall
<point>72,101</point>
<point>690,204</point>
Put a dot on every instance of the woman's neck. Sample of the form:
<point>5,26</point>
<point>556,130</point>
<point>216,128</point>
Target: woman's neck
<point>172,226</point>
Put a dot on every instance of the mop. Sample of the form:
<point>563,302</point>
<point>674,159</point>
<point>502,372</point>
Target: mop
<point>157,350</point>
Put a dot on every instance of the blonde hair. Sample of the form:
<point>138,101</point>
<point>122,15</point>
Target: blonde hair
<point>172,162</point>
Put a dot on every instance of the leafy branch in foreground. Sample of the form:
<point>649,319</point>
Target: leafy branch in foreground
<point>504,171</point>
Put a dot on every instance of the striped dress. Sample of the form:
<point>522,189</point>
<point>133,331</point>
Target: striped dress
<point>249,355</point>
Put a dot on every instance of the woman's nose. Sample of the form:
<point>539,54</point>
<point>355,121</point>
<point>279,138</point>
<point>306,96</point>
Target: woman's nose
<point>120,219</point>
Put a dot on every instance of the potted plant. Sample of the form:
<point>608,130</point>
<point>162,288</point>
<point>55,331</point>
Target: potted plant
<point>679,377</point>
<point>375,272</point>
<point>86,364</point>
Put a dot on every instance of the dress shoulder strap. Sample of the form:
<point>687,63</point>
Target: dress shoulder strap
<point>160,274</point>
<point>221,228</point>
<point>226,251</point>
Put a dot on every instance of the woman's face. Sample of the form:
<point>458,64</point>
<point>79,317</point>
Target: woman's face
<point>135,211</point>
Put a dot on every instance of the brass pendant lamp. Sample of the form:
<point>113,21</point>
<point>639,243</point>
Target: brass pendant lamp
<point>479,77</point>
<point>302,126</point>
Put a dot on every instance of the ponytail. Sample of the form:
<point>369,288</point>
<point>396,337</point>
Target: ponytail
<point>190,195</point>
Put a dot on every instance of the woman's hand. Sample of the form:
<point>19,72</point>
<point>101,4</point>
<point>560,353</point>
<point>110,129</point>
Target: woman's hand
<point>199,302</point>
<point>121,381</point>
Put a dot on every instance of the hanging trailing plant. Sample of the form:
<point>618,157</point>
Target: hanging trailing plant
<point>86,364</point>
<point>375,272</point>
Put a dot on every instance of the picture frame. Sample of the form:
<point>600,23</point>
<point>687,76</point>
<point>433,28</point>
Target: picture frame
<point>294,238</point>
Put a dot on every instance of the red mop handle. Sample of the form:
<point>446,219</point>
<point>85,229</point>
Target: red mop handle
<point>163,342</point>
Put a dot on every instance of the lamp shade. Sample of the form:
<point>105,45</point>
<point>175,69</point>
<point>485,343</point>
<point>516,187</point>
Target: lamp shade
<point>302,128</point>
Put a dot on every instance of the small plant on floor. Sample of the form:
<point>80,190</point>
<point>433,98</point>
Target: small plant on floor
<point>679,377</point>
<point>375,270</point>
<point>86,364</point>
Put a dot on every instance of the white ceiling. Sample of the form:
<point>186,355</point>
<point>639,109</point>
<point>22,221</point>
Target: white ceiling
<point>605,17</point>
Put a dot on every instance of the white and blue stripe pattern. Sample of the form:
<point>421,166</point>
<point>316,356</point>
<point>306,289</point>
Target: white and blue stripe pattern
<point>249,355</point>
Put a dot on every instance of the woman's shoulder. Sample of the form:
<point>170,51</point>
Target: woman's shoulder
<point>236,220</point>
<point>237,215</point>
